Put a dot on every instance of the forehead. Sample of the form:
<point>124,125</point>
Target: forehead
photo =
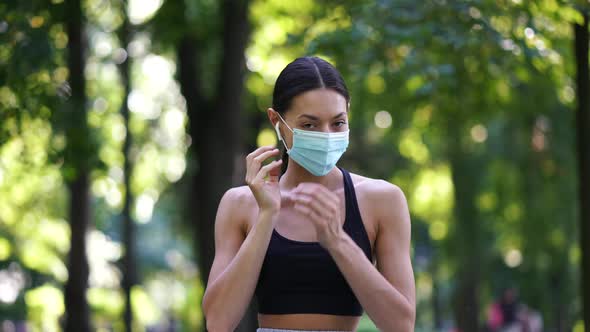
<point>318,102</point>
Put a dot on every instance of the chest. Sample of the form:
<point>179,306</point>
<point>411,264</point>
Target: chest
<point>293,226</point>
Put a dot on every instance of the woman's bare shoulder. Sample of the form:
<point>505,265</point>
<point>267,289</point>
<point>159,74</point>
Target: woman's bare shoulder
<point>378,192</point>
<point>241,194</point>
<point>238,205</point>
<point>240,199</point>
<point>372,186</point>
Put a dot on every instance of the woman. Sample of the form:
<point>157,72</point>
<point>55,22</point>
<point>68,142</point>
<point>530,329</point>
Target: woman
<point>306,243</point>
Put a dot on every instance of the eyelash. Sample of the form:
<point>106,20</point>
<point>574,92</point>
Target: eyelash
<point>338,124</point>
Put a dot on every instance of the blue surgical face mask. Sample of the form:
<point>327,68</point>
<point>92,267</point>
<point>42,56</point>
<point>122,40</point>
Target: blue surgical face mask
<point>317,152</point>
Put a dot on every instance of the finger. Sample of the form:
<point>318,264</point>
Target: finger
<point>302,198</point>
<point>254,166</point>
<point>264,170</point>
<point>307,212</point>
<point>274,173</point>
<point>325,194</point>
<point>287,198</point>
<point>259,151</point>
<point>321,195</point>
<point>323,208</point>
<point>263,156</point>
<point>251,169</point>
<point>320,207</point>
<point>313,188</point>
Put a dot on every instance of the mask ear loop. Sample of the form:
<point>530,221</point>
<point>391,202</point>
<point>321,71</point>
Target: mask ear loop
<point>285,122</point>
<point>279,132</point>
<point>280,137</point>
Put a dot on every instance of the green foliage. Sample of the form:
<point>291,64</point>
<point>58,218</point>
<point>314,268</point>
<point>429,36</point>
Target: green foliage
<point>498,76</point>
<point>443,93</point>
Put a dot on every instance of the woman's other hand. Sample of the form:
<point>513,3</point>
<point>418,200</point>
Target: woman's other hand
<point>322,207</point>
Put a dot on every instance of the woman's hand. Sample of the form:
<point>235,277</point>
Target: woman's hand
<point>322,207</point>
<point>266,191</point>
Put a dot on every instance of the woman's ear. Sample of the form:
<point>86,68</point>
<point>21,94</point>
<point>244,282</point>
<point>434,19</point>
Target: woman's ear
<point>272,116</point>
<point>274,120</point>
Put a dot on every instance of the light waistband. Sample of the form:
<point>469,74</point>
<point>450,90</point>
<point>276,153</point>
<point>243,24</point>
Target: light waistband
<point>266,329</point>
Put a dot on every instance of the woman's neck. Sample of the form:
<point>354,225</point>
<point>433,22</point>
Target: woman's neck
<point>295,174</point>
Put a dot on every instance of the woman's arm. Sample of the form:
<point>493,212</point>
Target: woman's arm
<point>387,293</point>
<point>237,263</point>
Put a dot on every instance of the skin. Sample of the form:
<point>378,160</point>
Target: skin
<point>304,207</point>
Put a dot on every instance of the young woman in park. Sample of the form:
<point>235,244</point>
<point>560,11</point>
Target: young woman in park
<point>316,245</point>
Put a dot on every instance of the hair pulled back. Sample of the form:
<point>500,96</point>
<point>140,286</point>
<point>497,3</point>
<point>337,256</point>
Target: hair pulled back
<point>302,75</point>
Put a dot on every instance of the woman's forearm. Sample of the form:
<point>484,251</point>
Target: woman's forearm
<point>227,298</point>
<point>389,309</point>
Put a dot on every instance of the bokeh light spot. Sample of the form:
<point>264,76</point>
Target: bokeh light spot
<point>375,84</point>
<point>36,22</point>
<point>513,258</point>
<point>266,137</point>
<point>142,10</point>
<point>383,119</point>
<point>479,133</point>
<point>438,230</point>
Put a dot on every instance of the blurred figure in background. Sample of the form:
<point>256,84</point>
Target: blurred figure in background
<point>508,314</point>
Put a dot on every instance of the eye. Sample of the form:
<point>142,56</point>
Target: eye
<point>340,123</point>
<point>307,125</point>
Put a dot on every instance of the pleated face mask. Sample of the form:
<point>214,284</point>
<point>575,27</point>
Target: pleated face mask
<point>317,152</point>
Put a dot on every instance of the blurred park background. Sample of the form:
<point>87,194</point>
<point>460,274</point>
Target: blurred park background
<point>123,122</point>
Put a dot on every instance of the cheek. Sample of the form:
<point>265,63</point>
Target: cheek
<point>289,139</point>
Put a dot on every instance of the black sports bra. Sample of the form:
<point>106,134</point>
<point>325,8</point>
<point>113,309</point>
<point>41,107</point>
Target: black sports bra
<point>302,277</point>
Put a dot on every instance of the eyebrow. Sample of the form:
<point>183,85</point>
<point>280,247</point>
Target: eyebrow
<point>313,117</point>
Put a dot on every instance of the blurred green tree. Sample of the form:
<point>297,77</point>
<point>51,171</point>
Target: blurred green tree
<point>211,70</point>
<point>581,42</point>
<point>129,264</point>
<point>467,106</point>
<point>482,86</point>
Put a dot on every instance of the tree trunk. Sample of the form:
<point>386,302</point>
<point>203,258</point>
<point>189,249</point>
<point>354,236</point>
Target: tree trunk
<point>465,244</point>
<point>218,142</point>
<point>583,145</point>
<point>215,130</point>
<point>77,316</point>
<point>219,130</point>
<point>465,237</point>
<point>437,312</point>
<point>128,229</point>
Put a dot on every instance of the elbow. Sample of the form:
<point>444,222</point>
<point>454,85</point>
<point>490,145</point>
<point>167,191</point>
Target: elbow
<point>205,306</point>
<point>408,318</point>
<point>402,322</point>
<point>214,326</point>
<point>215,320</point>
<point>217,323</point>
<point>408,325</point>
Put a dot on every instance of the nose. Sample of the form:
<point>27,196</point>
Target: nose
<point>327,128</point>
